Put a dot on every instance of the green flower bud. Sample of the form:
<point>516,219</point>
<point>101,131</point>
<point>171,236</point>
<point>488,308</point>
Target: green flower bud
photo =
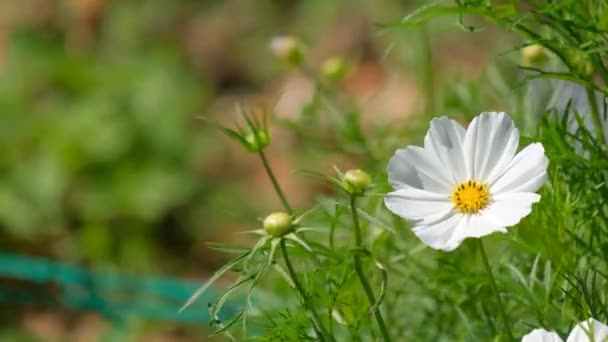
<point>288,49</point>
<point>581,62</point>
<point>334,69</point>
<point>278,224</point>
<point>532,55</point>
<point>586,68</point>
<point>256,145</point>
<point>355,182</point>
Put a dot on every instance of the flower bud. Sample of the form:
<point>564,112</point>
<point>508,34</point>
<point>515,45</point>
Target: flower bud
<point>278,224</point>
<point>256,145</point>
<point>288,49</point>
<point>355,182</point>
<point>582,63</point>
<point>334,69</point>
<point>532,55</point>
<point>585,67</point>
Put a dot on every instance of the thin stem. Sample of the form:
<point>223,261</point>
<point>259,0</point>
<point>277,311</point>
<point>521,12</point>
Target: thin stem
<point>595,115</point>
<point>332,226</point>
<point>333,101</point>
<point>275,183</point>
<point>359,269</point>
<point>501,308</point>
<point>319,328</point>
<point>353,208</point>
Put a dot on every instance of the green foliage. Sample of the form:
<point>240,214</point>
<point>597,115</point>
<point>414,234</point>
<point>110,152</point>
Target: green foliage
<point>551,269</point>
<point>100,143</point>
<point>100,158</point>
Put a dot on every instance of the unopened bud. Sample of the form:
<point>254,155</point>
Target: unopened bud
<point>355,182</point>
<point>582,63</point>
<point>278,224</point>
<point>533,55</point>
<point>334,69</point>
<point>288,49</point>
<point>585,67</point>
<point>257,144</point>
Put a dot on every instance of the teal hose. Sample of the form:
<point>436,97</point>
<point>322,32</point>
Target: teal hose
<point>31,281</point>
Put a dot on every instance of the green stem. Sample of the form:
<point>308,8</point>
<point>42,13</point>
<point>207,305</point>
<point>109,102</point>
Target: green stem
<point>501,308</point>
<point>319,328</point>
<point>332,226</point>
<point>359,270</point>
<point>595,116</point>
<point>275,183</point>
<point>334,102</point>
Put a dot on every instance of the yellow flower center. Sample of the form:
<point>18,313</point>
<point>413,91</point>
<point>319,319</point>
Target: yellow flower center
<point>470,197</point>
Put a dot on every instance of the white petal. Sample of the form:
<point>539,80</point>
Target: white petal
<point>590,330</point>
<point>416,167</point>
<point>509,208</point>
<point>401,172</point>
<point>480,224</point>
<point>440,235</point>
<point>490,143</point>
<point>505,210</point>
<point>439,226</point>
<point>444,228</point>
<point>541,335</point>
<point>445,139</point>
<point>526,172</point>
<point>415,204</point>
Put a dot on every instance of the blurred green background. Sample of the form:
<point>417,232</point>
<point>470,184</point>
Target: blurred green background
<point>105,163</point>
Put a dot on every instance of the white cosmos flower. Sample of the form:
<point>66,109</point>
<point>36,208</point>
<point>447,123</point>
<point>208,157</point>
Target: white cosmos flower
<point>465,183</point>
<point>542,335</point>
<point>590,330</point>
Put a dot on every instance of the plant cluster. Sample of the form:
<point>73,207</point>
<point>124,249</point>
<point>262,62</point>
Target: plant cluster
<point>349,268</point>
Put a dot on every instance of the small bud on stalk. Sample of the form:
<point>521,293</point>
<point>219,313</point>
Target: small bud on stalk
<point>355,182</point>
<point>334,69</point>
<point>288,49</point>
<point>533,55</point>
<point>256,145</point>
<point>255,136</point>
<point>581,62</point>
<point>278,224</point>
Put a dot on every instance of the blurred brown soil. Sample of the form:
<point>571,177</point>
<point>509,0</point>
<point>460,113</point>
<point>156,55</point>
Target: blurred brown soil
<point>57,326</point>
